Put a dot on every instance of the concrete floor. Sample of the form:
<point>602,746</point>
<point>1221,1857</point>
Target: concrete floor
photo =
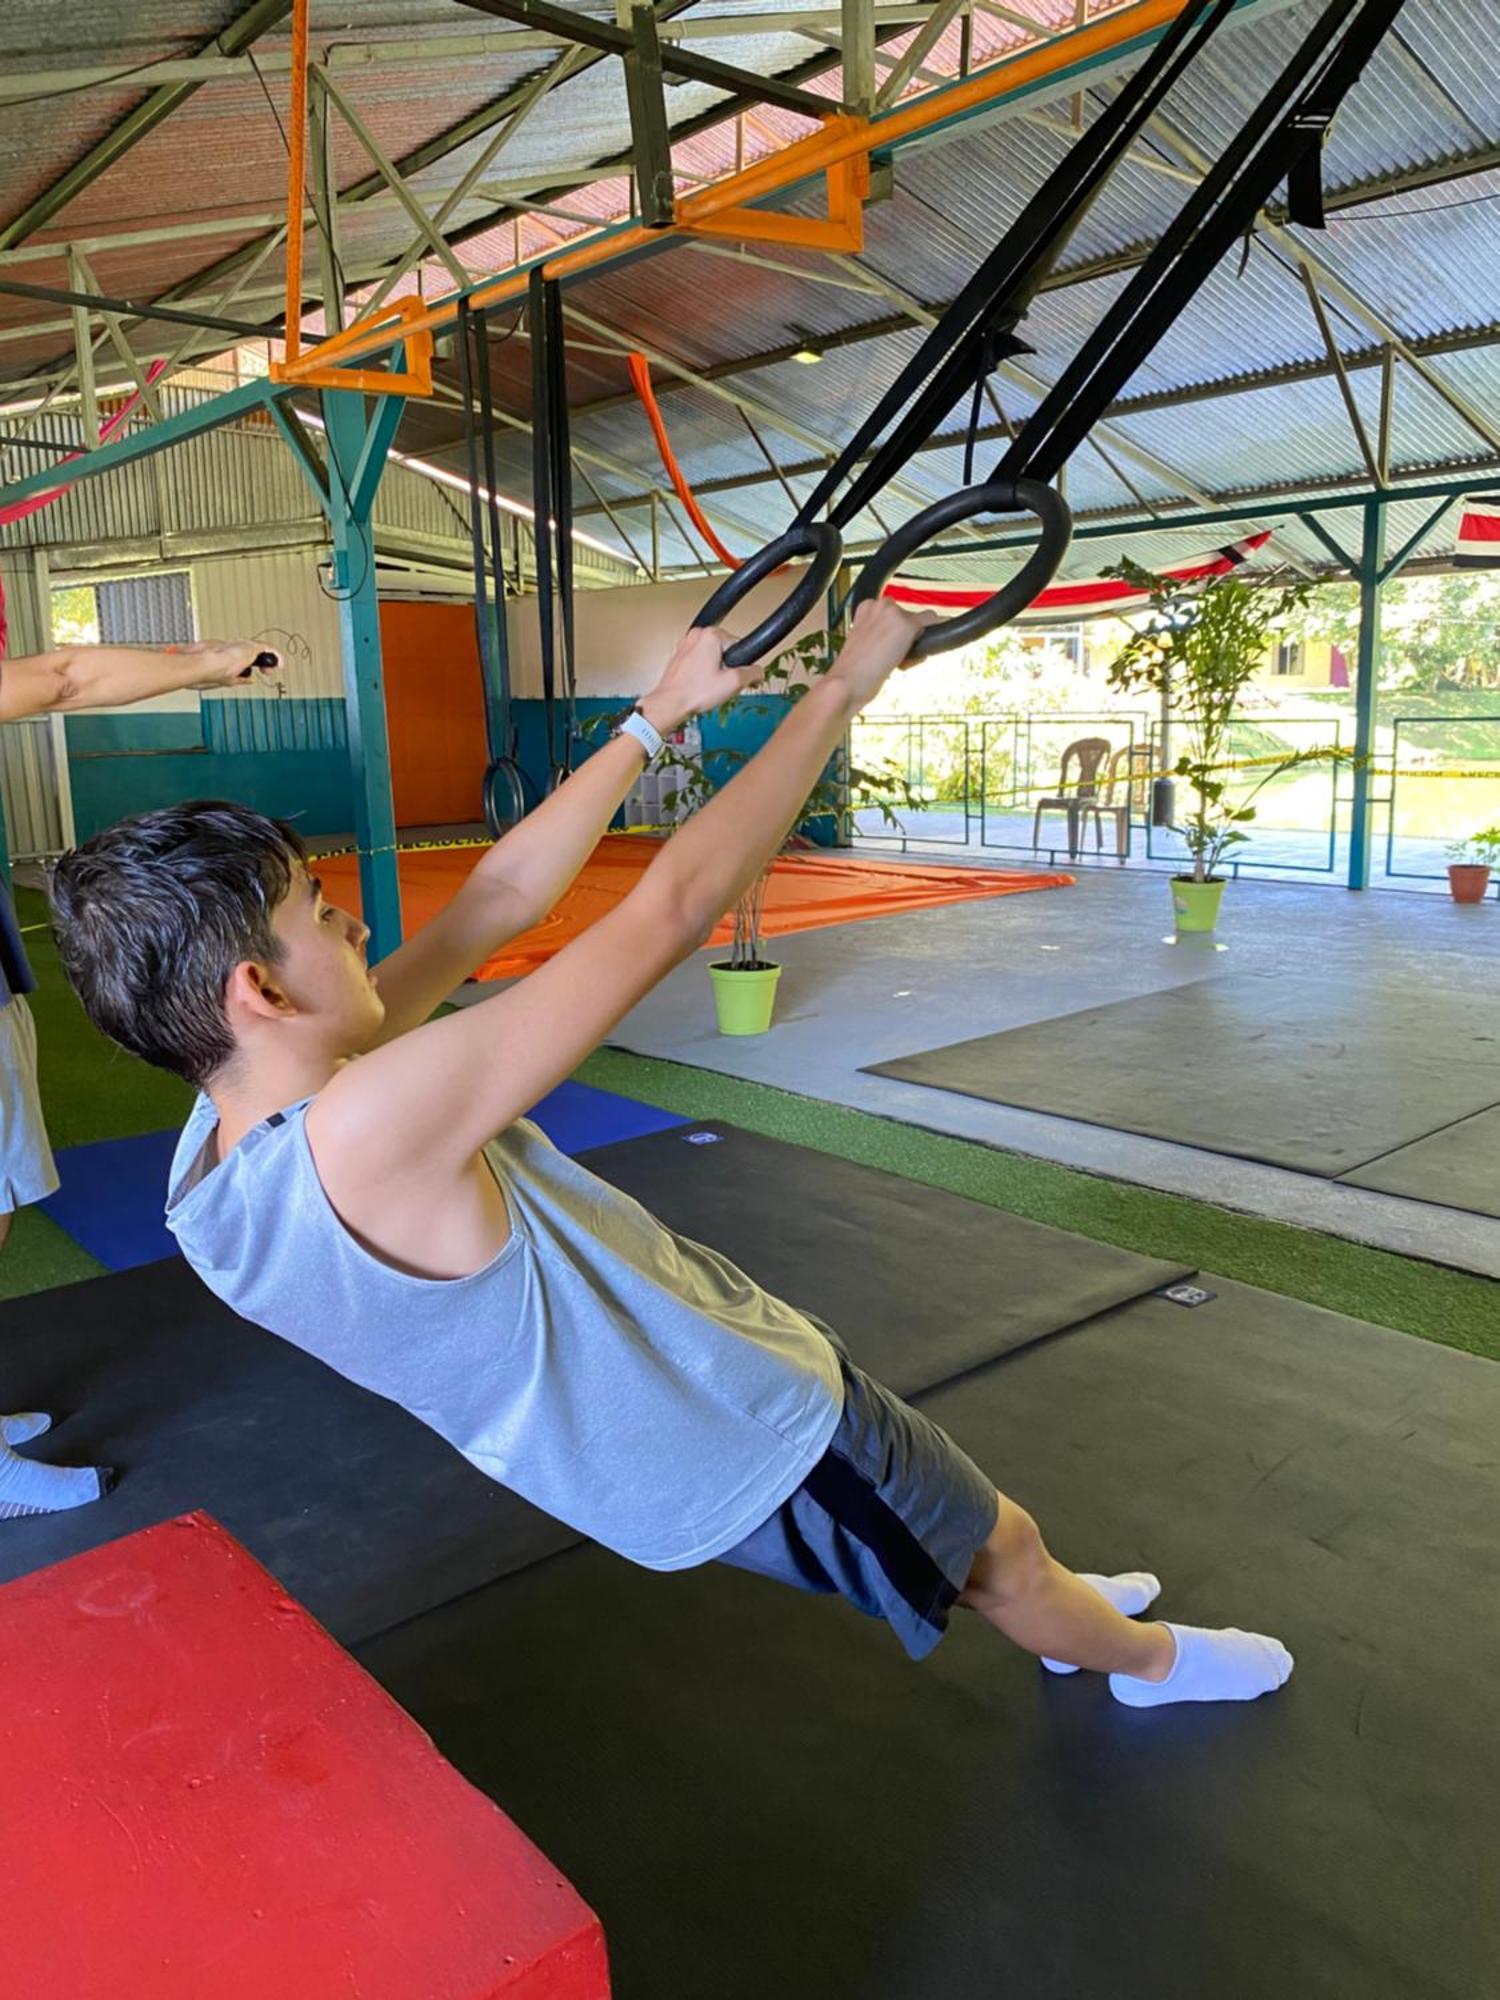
<point>867,992</point>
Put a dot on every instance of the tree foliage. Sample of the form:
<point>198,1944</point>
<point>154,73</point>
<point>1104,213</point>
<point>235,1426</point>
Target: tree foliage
<point>1438,633</point>
<point>1200,649</point>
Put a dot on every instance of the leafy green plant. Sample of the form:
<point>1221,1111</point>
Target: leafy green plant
<point>1480,850</point>
<point>845,787</point>
<point>1200,650</point>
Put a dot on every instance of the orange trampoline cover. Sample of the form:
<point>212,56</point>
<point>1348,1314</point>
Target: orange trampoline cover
<point>807,892</point>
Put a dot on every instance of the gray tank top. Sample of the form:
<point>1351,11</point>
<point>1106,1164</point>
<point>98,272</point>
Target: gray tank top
<point>632,1383</point>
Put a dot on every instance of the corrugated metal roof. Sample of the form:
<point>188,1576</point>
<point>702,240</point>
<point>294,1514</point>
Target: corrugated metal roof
<point>1428,261</point>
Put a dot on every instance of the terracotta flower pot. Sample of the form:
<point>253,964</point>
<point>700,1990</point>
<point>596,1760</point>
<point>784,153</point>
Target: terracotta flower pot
<point>1468,880</point>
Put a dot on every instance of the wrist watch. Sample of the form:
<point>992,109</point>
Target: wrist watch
<point>645,733</point>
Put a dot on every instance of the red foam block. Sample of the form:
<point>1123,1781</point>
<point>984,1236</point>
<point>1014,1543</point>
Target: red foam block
<point>205,1796</point>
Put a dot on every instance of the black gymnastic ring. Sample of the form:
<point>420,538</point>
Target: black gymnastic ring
<point>818,540</point>
<point>998,496</point>
<point>503,784</point>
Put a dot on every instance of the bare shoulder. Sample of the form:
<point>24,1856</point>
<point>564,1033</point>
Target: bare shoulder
<point>421,1216</point>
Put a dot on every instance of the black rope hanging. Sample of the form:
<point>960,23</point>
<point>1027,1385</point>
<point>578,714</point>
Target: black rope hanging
<point>1281,140</point>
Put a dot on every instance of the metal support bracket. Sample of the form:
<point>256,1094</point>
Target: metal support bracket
<point>414,380</point>
<point>841,229</point>
<point>1330,542</point>
<point>1409,547</point>
<point>303,452</point>
<point>381,435</point>
<point>650,132</point>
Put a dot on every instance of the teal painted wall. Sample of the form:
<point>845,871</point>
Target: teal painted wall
<point>747,726</point>
<point>287,758</point>
<point>530,718</point>
<point>291,758</point>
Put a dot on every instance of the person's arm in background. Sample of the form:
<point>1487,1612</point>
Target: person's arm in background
<point>71,677</point>
<point>530,869</point>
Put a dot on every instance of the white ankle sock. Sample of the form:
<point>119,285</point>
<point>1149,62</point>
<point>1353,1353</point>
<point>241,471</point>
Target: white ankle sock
<point>1211,1666</point>
<point>1129,1593</point>
<point>28,1488</point>
<point>21,1429</point>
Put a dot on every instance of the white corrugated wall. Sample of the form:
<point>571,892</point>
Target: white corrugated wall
<point>28,779</point>
<point>277,598</point>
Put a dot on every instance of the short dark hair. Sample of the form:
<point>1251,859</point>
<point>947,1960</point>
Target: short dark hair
<point>153,915</point>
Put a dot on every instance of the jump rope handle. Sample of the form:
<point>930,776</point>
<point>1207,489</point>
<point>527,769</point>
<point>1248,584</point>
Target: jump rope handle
<point>823,547</point>
<point>997,496</point>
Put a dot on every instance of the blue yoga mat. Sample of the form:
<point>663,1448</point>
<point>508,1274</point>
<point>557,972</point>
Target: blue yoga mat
<point>113,1192</point>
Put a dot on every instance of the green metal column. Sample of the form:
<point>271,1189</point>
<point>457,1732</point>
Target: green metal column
<point>1366,690</point>
<point>351,504</point>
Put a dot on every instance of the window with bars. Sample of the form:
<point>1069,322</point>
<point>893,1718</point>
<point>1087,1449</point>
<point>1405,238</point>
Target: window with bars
<point>154,610</point>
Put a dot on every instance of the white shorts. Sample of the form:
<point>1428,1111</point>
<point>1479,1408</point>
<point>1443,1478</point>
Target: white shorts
<point>27,1172</point>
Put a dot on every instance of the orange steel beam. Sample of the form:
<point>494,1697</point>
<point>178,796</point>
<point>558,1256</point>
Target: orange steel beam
<point>296,179</point>
<point>840,140</point>
<point>843,229</point>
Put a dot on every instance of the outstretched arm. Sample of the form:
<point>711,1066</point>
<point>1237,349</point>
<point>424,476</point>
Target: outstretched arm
<point>529,870</point>
<point>406,1120</point>
<point>114,676</point>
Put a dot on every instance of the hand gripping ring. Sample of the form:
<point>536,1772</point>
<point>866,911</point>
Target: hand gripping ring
<point>817,540</point>
<point>999,496</point>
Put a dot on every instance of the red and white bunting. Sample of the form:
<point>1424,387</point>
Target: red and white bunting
<point>1069,603</point>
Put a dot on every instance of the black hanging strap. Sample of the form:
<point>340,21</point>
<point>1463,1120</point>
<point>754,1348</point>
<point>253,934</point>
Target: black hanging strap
<point>504,800</point>
<point>1282,138</point>
<point>562,511</point>
<point>552,497</point>
<point>1221,209</point>
<point>978,329</point>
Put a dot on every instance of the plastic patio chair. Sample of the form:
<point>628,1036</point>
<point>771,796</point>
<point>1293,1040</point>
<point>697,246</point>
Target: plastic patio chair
<point>1081,795</point>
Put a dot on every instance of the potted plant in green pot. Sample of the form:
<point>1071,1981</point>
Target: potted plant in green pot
<point>1470,863</point>
<point>1199,651</point>
<point>744,983</point>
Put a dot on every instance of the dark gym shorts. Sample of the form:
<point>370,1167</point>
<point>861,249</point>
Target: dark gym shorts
<point>891,1517</point>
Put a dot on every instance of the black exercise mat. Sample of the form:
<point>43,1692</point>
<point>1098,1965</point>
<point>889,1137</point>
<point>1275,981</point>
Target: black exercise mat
<point>919,1283</point>
<point>761,1796</point>
<point>364,1514</point>
<point>1306,1073</point>
<point>1458,1167</point>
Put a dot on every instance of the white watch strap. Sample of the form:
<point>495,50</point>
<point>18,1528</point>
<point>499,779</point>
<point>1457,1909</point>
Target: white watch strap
<point>649,738</point>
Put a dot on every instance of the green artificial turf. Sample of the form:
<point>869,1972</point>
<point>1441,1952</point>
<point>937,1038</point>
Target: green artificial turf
<point>90,1089</point>
<point>38,1255</point>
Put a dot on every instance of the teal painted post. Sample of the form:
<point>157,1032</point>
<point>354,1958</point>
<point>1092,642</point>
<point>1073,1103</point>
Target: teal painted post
<point>1366,691</point>
<point>364,690</point>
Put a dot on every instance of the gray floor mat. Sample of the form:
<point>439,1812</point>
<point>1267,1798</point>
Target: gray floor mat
<point>760,1795</point>
<point>1458,1167</point>
<point>369,1518</point>
<point>920,1283</point>
<point>1318,1077</point>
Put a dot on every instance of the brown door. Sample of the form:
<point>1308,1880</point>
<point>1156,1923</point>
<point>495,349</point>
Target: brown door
<point>434,704</point>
